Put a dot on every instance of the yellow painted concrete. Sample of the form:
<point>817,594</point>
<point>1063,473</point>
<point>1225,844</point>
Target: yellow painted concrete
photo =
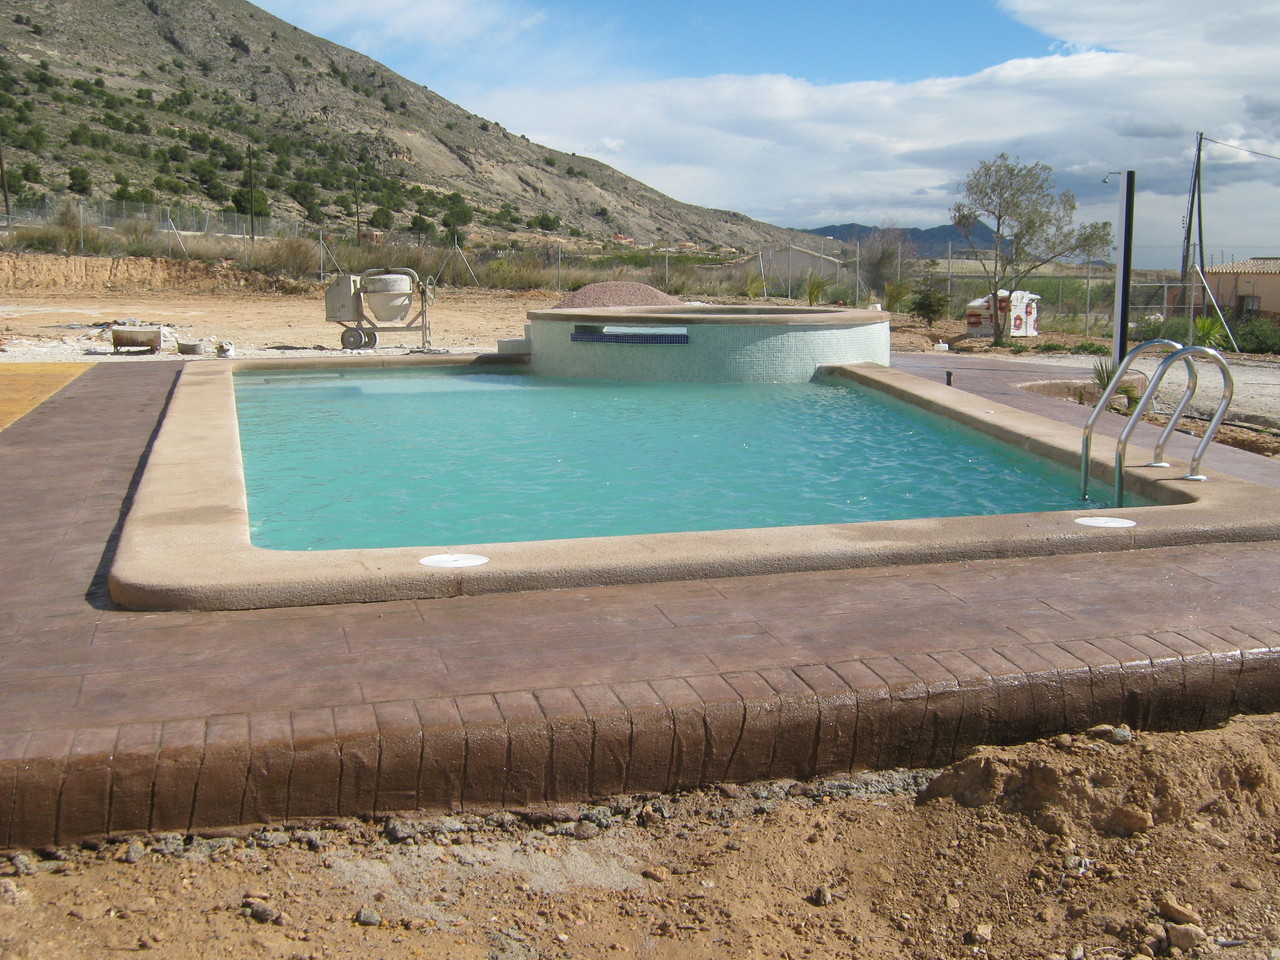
<point>24,386</point>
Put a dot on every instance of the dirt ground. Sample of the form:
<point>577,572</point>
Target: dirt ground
<point>1109,843</point>
<point>1112,843</point>
<point>73,323</point>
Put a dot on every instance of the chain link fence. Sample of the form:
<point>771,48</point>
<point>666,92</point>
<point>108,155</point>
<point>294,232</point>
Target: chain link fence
<point>106,213</point>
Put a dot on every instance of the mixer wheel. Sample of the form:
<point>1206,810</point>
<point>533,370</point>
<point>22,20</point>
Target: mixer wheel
<point>352,338</point>
<point>370,339</point>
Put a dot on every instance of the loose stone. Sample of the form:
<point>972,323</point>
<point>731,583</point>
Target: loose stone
<point>821,897</point>
<point>1184,936</point>
<point>1175,912</point>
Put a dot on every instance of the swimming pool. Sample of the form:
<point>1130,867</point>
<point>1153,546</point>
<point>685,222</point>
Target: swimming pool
<point>392,458</point>
<point>186,543</point>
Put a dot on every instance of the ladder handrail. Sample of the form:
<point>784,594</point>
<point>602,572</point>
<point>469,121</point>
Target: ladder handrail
<point>1228,391</point>
<point>1086,441</point>
<point>1186,355</point>
<point>1193,381</point>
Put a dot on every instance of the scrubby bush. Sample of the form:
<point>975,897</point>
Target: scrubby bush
<point>1259,335</point>
<point>79,181</point>
<point>288,257</point>
<point>516,273</point>
<point>1089,347</point>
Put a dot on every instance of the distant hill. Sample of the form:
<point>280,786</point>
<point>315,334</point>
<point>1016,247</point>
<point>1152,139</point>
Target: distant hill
<point>925,243</point>
<point>166,101</point>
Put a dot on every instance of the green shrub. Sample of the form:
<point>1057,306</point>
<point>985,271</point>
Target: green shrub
<point>1050,346</point>
<point>79,181</point>
<point>1089,347</point>
<point>1259,335</point>
<point>1156,327</point>
<point>895,295</point>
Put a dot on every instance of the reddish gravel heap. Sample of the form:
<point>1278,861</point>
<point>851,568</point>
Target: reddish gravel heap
<point>617,293</point>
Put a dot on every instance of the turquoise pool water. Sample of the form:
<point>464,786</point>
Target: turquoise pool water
<point>445,458</point>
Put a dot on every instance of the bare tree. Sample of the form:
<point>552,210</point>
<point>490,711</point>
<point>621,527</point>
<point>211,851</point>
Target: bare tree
<point>1033,226</point>
<point>881,255</point>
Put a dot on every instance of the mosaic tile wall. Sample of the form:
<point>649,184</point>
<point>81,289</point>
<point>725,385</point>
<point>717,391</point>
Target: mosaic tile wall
<point>715,352</point>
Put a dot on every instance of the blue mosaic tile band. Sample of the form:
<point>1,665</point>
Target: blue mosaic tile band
<point>629,337</point>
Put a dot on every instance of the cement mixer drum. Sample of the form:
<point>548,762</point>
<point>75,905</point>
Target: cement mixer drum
<point>389,296</point>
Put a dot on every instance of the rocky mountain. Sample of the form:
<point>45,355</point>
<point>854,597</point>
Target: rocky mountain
<point>217,103</point>
<point>925,243</point>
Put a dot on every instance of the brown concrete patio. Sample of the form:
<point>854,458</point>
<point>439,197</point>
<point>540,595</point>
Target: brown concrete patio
<point>113,721</point>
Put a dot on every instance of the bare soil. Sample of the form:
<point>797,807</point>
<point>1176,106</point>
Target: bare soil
<point>1108,843</point>
<point>75,323</point>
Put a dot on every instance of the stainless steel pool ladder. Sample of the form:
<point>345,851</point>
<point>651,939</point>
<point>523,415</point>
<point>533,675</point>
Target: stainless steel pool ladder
<point>1187,355</point>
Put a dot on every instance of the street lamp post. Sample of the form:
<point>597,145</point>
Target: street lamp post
<point>1124,264</point>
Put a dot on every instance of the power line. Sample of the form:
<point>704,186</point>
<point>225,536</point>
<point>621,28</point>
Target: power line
<point>1256,153</point>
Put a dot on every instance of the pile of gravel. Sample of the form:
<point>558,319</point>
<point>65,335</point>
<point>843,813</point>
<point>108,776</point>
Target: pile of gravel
<point>617,293</point>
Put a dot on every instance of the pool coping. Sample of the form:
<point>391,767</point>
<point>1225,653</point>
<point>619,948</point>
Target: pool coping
<point>185,544</point>
<point>707,314</point>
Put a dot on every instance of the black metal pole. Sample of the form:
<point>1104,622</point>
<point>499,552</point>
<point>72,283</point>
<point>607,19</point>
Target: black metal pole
<point>1124,269</point>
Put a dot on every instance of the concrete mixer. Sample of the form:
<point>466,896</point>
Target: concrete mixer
<point>382,298</point>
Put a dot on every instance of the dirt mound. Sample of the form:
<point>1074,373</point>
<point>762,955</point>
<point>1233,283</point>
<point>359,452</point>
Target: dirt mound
<point>1099,782</point>
<point>66,274</point>
<point>617,293</point>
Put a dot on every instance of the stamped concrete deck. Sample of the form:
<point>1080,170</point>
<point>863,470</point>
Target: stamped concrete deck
<point>113,722</point>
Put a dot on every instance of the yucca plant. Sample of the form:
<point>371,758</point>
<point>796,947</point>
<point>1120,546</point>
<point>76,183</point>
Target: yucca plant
<point>1104,371</point>
<point>815,285</point>
<point>1210,332</point>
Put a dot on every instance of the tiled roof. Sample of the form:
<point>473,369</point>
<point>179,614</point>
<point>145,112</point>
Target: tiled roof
<point>1252,265</point>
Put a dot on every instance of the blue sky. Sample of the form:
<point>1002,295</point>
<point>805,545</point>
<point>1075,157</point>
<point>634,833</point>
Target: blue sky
<point>807,113</point>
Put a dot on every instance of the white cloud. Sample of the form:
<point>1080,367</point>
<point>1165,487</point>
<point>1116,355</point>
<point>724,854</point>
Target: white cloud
<point>1131,86</point>
<point>1127,85</point>
<point>1152,27</point>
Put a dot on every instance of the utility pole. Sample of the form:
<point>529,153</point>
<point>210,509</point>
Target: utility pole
<point>1193,212</point>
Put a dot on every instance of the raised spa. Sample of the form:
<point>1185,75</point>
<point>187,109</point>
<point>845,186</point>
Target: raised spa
<point>703,342</point>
